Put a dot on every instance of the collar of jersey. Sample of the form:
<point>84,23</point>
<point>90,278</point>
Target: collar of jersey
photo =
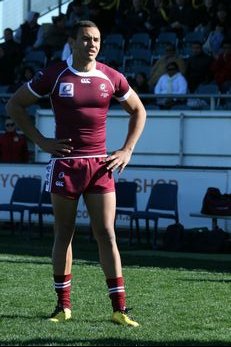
<point>76,72</point>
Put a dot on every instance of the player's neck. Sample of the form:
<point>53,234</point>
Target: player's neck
<point>83,66</point>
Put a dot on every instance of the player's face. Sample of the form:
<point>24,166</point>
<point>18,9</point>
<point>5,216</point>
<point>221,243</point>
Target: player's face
<point>87,44</point>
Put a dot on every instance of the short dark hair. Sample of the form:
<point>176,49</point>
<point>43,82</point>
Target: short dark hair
<point>81,24</point>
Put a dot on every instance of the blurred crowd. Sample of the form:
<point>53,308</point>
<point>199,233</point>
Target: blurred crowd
<point>207,61</point>
<point>174,67</point>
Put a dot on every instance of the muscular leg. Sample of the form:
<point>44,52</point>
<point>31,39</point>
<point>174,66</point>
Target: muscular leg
<point>101,208</point>
<point>65,214</point>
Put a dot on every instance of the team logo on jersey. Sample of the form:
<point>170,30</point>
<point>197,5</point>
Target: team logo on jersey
<point>102,86</point>
<point>66,89</point>
<point>85,80</point>
<point>104,90</point>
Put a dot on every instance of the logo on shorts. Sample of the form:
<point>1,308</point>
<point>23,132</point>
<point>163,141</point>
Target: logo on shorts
<point>66,90</point>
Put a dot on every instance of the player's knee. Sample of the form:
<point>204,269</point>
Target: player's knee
<point>106,236</point>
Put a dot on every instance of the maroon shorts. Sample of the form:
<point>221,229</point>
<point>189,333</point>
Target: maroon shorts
<point>73,177</point>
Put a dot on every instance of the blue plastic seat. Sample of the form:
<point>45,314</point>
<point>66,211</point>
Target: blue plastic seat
<point>140,40</point>
<point>26,193</point>
<point>162,203</point>
<point>112,40</point>
<point>44,207</point>
<point>167,37</point>
<point>126,199</point>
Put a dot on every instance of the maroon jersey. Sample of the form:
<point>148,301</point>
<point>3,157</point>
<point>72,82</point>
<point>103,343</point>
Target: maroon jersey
<point>80,101</point>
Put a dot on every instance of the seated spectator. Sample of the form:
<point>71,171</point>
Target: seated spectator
<point>134,19</point>
<point>159,67</point>
<point>198,67</point>
<point>181,18</point>
<point>11,56</point>
<point>221,67</point>
<point>212,45</point>
<point>55,36</point>
<point>13,146</point>
<point>76,10</point>
<point>25,74</point>
<point>140,84</point>
<point>7,68</point>
<point>158,19</point>
<point>172,82</point>
<point>223,17</point>
<point>26,34</point>
<point>12,48</point>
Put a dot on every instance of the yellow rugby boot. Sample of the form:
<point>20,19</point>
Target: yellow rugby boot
<point>123,319</point>
<point>60,315</point>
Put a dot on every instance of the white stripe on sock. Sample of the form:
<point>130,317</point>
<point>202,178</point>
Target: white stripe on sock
<point>116,289</point>
<point>63,284</point>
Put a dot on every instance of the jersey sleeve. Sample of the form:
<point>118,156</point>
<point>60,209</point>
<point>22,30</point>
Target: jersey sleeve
<point>122,88</point>
<point>40,85</point>
<point>44,80</point>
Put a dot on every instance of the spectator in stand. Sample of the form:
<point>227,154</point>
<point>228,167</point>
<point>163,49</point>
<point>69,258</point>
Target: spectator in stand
<point>7,68</point>
<point>55,36</point>
<point>10,58</point>
<point>140,83</point>
<point>182,18</point>
<point>76,10</point>
<point>200,12</point>
<point>221,67</point>
<point>211,11</point>
<point>212,45</point>
<point>105,13</point>
<point>206,18</point>
<point>134,19</point>
<point>158,19</point>
<point>159,67</point>
<point>198,67</point>
<point>12,48</point>
<point>25,74</point>
<point>26,34</point>
<point>171,82</point>
<point>222,18</point>
<point>13,146</point>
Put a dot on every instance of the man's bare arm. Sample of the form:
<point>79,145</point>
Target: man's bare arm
<point>120,158</point>
<point>16,109</point>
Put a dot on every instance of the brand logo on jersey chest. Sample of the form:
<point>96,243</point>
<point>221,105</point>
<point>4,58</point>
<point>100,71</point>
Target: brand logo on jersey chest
<point>66,89</point>
<point>85,80</point>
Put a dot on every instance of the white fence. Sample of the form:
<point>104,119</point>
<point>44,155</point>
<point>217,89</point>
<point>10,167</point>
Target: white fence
<point>175,138</point>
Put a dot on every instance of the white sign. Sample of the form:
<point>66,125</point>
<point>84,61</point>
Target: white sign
<point>192,184</point>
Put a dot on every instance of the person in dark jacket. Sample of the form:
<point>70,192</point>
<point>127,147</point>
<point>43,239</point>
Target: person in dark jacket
<point>13,146</point>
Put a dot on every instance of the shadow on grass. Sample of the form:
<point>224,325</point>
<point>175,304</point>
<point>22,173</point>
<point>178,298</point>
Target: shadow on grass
<point>85,249</point>
<point>109,342</point>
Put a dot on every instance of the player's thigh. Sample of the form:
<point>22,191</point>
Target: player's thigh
<point>64,210</point>
<point>101,209</point>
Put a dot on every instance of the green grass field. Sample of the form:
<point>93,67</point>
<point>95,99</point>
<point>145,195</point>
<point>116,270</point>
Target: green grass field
<point>180,299</point>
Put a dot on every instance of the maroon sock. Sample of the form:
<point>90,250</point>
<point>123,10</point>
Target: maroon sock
<point>62,284</point>
<point>117,293</point>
